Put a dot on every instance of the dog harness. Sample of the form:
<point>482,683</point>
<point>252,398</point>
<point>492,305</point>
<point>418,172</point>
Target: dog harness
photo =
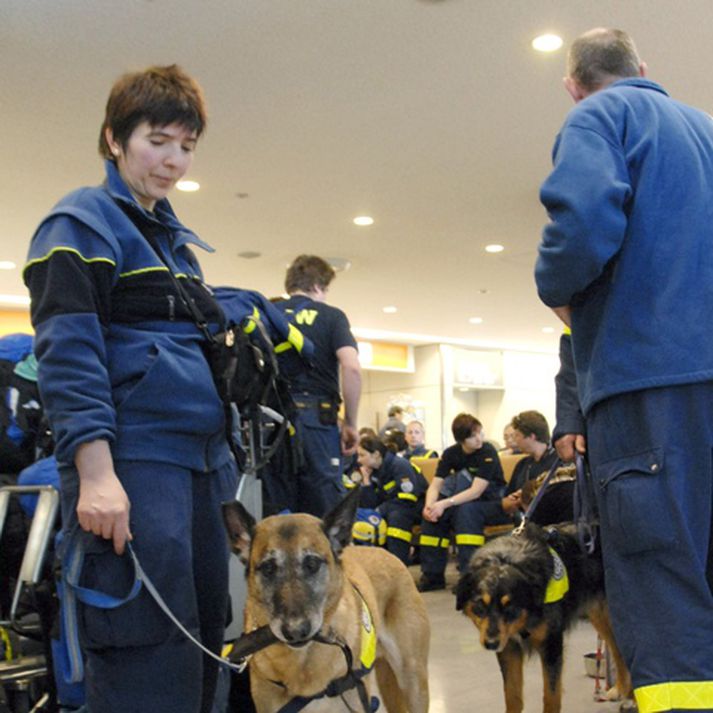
<point>558,585</point>
<point>353,677</point>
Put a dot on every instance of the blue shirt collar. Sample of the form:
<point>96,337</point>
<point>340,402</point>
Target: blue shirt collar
<point>163,212</point>
<point>637,82</point>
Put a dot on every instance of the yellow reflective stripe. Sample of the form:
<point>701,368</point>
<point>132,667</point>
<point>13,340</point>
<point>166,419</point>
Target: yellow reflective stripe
<point>282,347</point>
<point>46,257</point>
<point>398,534</point>
<point>295,337</point>
<point>431,541</point>
<point>390,485</point>
<point>251,321</point>
<point>675,695</point>
<point>476,540</point>
<point>558,585</point>
<point>567,330</point>
<point>407,496</point>
<point>161,268</point>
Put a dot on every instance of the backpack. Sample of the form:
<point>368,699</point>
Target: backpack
<point>20,408</point>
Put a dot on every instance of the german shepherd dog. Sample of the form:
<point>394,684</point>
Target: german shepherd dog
<point>312,589</point>
<point>523,592</point>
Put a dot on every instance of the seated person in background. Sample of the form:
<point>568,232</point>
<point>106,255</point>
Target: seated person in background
<point>510,444</point>
<point>395,421</point>
<point>394,489</point>
<point>415,446</point>
<point>468,474</point>
<point>531,435</point>
<point>395,442</point>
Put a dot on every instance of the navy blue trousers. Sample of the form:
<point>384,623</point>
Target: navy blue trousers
<point>468,522</point>
<point>136,659</point>
<point>651,454</point>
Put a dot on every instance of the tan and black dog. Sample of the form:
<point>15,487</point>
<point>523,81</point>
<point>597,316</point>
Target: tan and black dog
<point>328,602</point>
<point>523,592</point>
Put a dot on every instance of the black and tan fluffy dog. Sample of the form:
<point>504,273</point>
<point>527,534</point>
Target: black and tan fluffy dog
<point>310,586</point>
<point>523,592</point>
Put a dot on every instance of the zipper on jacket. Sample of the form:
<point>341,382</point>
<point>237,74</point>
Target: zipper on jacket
<point>171,307</point>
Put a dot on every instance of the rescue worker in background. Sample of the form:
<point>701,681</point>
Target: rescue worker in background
<point>138,422</point>
<point>392,487</point>
<point>626,262</point>
<point>468,471</point>
<point>317,485</point>
<point>415,441</point>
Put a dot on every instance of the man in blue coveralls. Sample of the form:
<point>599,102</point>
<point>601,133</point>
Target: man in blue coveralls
<point>626,261</point>
<point>317,485</point>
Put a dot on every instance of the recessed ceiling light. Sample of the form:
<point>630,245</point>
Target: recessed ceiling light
<point>363,220</point>
<point>7,265</point>
<point>476,320</point>
<point>249,254</point>
<point>494,248</point>
<point>463,388</point>
<point>188,186</point>
<point>547,43</point>
<point>390,310</point>
<point>548,330</point>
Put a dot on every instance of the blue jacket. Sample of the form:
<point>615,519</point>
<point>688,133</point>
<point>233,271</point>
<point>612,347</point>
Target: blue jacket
<point>120,358</point>
<point>629,243</point>
<point>396,479</point>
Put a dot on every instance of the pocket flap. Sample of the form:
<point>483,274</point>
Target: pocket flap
<point>647,463</point>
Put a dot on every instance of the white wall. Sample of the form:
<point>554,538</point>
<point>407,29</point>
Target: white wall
<point>527,380</point>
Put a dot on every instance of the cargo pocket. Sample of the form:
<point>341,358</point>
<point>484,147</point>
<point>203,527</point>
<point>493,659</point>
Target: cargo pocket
<point>138,622</point>
<point>636,505</point>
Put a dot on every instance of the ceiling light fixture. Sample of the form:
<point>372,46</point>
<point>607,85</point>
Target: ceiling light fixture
<point>494,248</point>
<point>476,320</point>
<point>547,43</point>
<point>548,330</point>
<point>188,186</point>
<point>390,310</point>
<point>7,265</point>
<point>363,220</point>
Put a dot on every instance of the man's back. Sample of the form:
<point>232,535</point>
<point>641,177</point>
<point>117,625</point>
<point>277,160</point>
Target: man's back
<point>629,245</point>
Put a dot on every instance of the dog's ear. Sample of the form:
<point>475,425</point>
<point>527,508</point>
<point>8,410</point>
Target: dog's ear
<point>338,522</point>
<point>464,589</point>
<point>240,525</point>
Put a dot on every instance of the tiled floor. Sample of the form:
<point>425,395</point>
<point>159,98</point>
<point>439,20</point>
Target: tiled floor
<point>465,678</point>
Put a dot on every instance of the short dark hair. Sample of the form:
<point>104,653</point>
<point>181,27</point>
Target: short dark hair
<point>532,423</point>
<point>395,440</point>
<point>157,95</point>
<point>394,411</point>
<point>307,272</point>
<point>599,55</point>
<point>463,426</point>
<point>372,444</point>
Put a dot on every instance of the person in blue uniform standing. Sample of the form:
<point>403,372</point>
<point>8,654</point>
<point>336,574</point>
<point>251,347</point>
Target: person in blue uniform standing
<point>393,488</point>
<point>137,419</point>
<point>469,472</point>
<point>626,262</point>
<point>318,392</point>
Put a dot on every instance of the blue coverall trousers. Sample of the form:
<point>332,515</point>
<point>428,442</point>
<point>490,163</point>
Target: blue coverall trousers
<point>136,660</point>
<point>651,454</point>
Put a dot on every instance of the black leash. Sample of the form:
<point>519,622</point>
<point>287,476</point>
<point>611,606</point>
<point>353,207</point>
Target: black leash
<point>585,514</point>
<point>538,496</point>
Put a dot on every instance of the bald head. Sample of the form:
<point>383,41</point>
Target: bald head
<point>601,56</point>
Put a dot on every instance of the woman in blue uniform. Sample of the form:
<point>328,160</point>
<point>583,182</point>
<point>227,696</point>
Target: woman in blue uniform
<point>138,422</point>
<point>393,488</point>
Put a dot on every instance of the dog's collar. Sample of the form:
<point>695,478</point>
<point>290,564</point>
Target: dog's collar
<point>558,585</point>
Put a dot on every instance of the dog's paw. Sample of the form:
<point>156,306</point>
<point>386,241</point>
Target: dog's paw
<point>628,706</point>
<point>613,694</point>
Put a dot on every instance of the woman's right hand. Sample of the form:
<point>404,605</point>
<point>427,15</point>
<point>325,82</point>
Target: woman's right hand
<point>103,506</point>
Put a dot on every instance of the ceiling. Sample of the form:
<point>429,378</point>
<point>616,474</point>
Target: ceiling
<point>435,117</point>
